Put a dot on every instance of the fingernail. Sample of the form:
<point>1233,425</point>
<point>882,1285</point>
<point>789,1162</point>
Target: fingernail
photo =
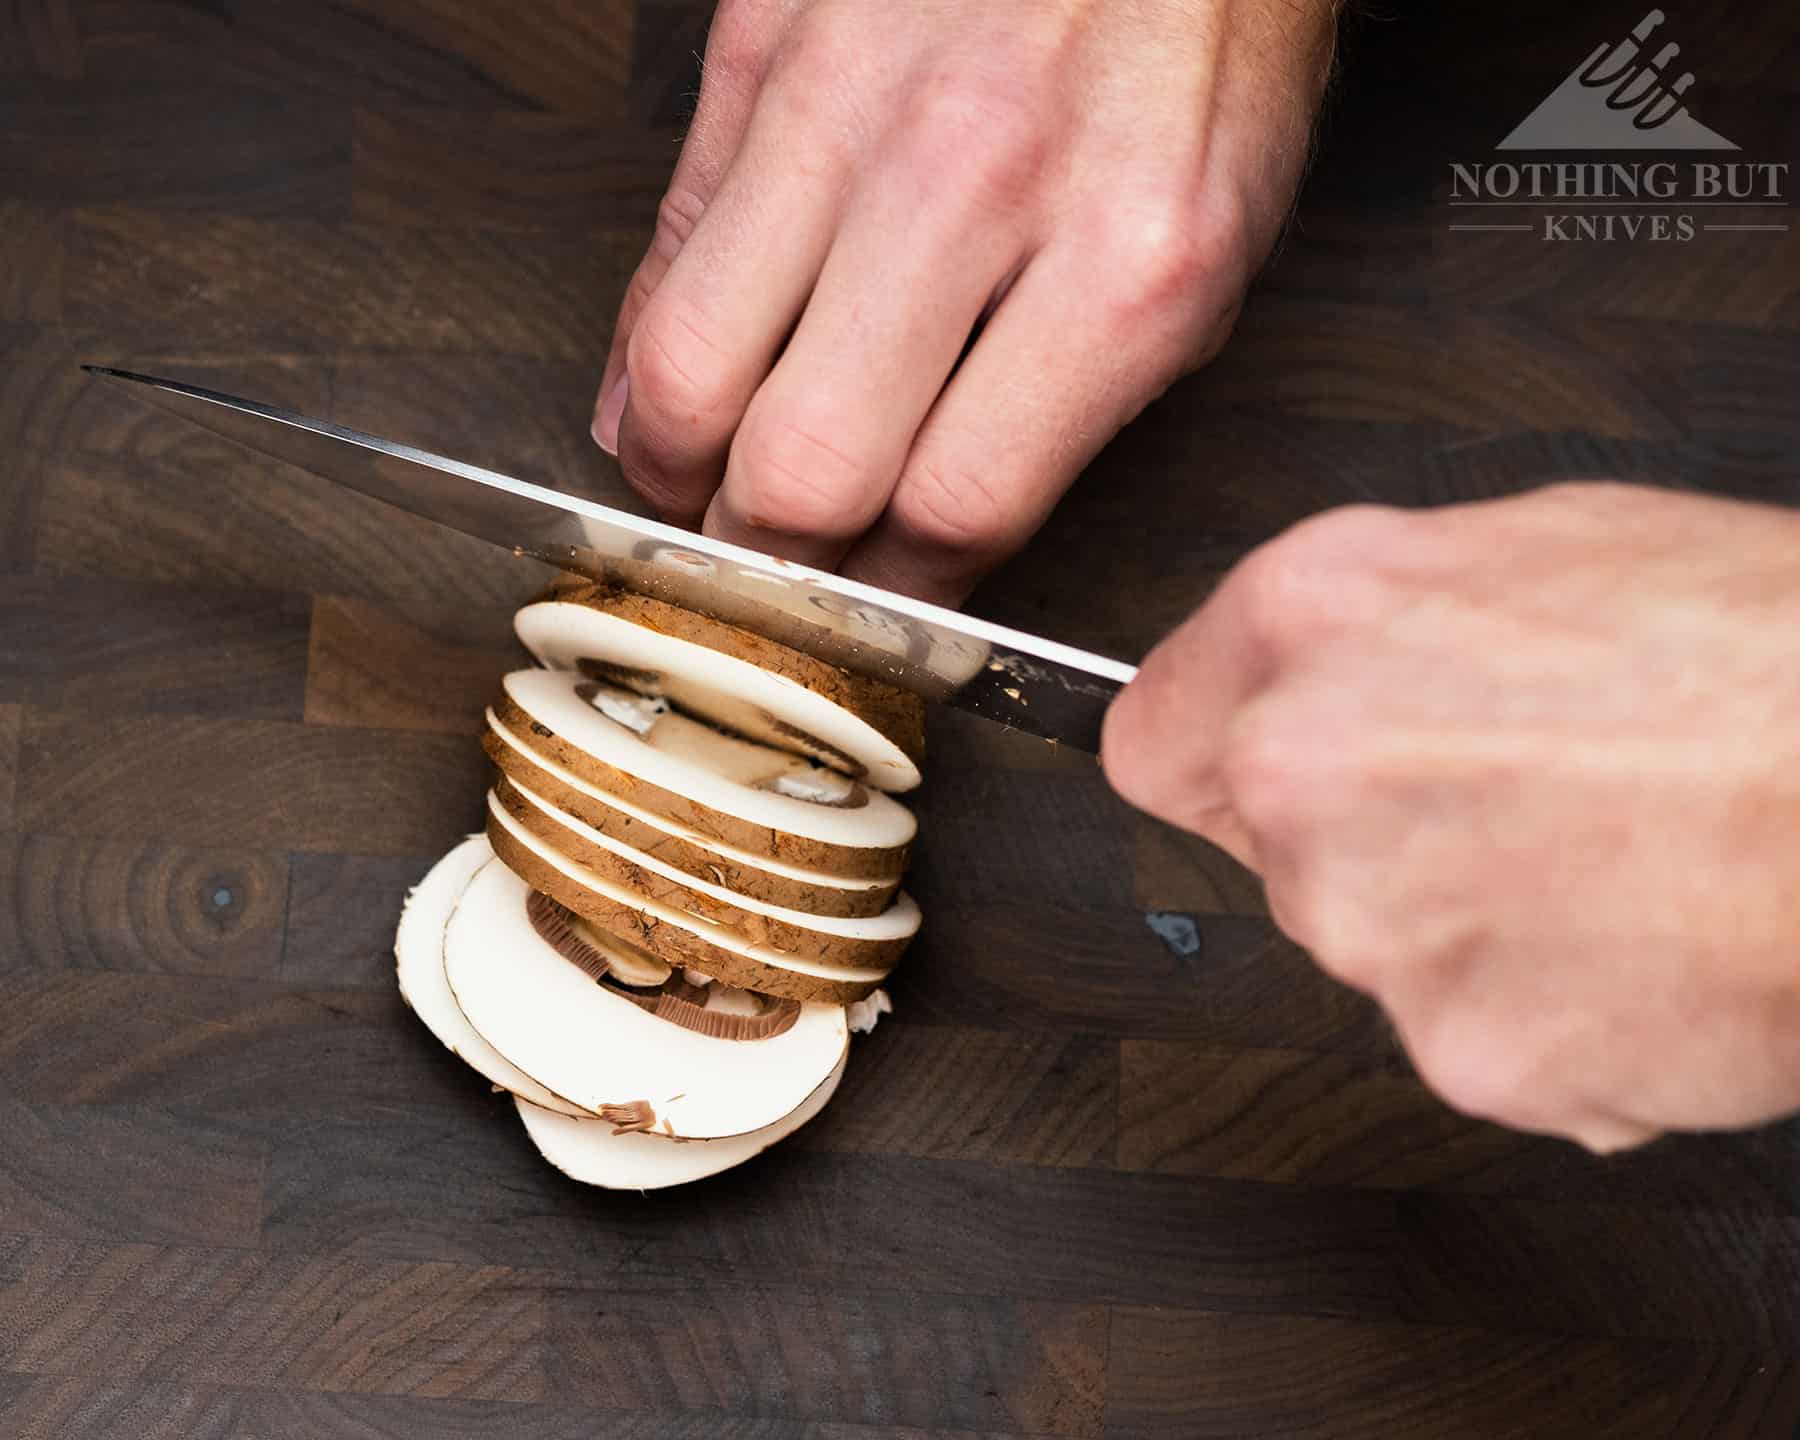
<point>612,409</point>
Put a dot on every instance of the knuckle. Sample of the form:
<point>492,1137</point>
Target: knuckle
<point>1481,1079</point>
<point>1267,766</point>
<point>1299,588</point>
<point>677,373</point>
<point>677,216</point>
<point>950,510</point>
<point>791,480</point>
<point>992,138</point>
<point>1168,257</point>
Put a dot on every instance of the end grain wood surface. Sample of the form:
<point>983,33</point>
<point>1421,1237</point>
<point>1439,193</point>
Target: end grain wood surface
<point>1089,1181</point>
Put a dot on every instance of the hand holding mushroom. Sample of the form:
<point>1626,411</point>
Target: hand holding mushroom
<point>1528,771</point>
<point>867,185</point>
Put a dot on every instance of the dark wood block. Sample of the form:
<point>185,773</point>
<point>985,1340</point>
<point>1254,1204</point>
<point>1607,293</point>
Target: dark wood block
<point>51,409</point>
<point>41,37</point>
<point>1413,257</point>
<point>249,782</point>
<point>313,286</point>
<point>1173,870</point>
<point>402,51</point>
<point>98,646</point>
<point>418,166</point>
<point>220,525</point>
<point>104,1408</point>
<point>77,903</point>
<point>1064,838</point>
<point>766,1348</point>
<point>1338,1120</point>
<point>962,1094</point>
<point>1484,371</point>
<point>244,154</point>
<point>341,916</point>
<point>1176,1373</point>
<point>9,762</point>
<point>31,262</point>
<point>83,1172</point>
<point>1719,1276</point>
<point>521,416</point>
<point>668,41</point>
<point>236,1047</point>
<point>400,1189</point>
<point>242,1318</point>
<point>367,667</point>
<point>1058,969</point>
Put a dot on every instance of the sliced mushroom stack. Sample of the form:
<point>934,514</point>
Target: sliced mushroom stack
<point>687,894</point>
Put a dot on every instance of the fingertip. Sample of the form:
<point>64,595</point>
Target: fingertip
<point>610,413</point>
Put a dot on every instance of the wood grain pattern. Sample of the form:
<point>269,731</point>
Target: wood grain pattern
<point>274,529</point>
<point>365,667</point>
<point>1093,1178</point>
<point>1310,1119</point>
<point>308,787</point>
<point>281,158</point>
<point>1001,1097</point>
<point>79,903</point>
<point>310,285</point>
<point>189,1179</point>
<point>341,913</point>
<point>237,1047</point>
<point>1194,1375</point>
<point>1173,870</point>
<point>98,646</point>
<point>302,1323</point>
<point>41,37</point>
<point>826,1355</point>
<point>513,170</point>
<point>407,52</point>
<point>31,262</point>
<point>50,1408</point>
<point>9,762</point>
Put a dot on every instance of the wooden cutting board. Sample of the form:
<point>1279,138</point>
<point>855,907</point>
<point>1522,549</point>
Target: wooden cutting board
<point>1123,1163</point>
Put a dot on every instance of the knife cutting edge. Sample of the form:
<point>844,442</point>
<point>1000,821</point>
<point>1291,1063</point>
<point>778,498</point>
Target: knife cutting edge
<point>1033,684</point>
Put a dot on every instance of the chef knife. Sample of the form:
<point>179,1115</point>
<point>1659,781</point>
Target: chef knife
<point>1032,684</point>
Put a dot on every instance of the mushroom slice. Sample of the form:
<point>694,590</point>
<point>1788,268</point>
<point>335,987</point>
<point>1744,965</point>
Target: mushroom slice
<point>754,687</point>
<point>870,940</point>
<point>723,787</point>
<point>681,938</point>
<point>793,886</point>
<point>594,1153</point>
<point>609,1056</point>
<point>419,957</point>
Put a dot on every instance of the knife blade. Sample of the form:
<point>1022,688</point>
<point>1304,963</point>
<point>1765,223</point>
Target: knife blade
<point>1033,684</point>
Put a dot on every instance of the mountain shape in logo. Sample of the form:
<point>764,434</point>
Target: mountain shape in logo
<point>1620,99</point>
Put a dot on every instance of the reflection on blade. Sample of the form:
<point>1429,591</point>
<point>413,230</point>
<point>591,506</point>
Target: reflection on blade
<point>1021,680</point>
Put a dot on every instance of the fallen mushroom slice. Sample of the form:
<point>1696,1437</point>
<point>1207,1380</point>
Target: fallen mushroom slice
<point>682,938</point>
<point>793,886</point>
<point>709,782</point>
<point>876,940</point>
<point>752,686</point>
<point>592,1152</point>
<point>611,1057</point>
<point>419,963</point>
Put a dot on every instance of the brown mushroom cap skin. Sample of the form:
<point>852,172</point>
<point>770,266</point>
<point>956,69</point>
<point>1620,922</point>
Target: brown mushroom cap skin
<point>696,860</point>
<point>890,711</point>
<point>758,929</point>
<point>670,943</point>
<point>849,861</point>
